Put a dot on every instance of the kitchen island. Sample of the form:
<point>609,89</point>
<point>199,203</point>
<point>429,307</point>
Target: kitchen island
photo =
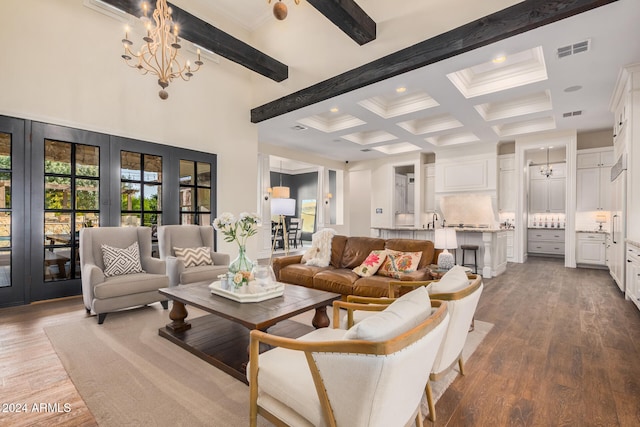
<point>492,244</point>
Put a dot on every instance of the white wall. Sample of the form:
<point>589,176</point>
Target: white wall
<point>360,203</point>
<point>62,65</point>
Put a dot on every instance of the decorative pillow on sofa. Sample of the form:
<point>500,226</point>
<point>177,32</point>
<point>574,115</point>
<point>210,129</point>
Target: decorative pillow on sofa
<point>452,281</point>
<point>403,314</point>
<point>371,264</point>
<point>398,263</point>
<point>194,256</point>
<point>118,262</point>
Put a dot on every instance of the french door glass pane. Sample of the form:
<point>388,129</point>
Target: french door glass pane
<point>204,199</point>
<point>5,190</point>
<point>152,168</point>
<point>130,220</point>
<point>187,201</point>
<point>5,229</point>
<point>87,160</point>
<point>57,157</point>
<point>87,220</point>
<point>187,171</point>
<point>57,192</point>
<point>204,174</point>
<point>187,219</point>
<point>151,195</point>
<point>5,151</point>
<point>57,228</point>
<point>57,264</point>
<point>130,166</point>
<point>130,196</point>
<point>5,268</point>
<point>88,194</point>
<point>152,220</point>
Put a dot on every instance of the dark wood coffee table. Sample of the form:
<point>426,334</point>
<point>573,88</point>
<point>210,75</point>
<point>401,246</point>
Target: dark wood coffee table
<point>222,337</point>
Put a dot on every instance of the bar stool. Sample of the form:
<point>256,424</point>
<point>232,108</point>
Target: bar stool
<point>473,248</point>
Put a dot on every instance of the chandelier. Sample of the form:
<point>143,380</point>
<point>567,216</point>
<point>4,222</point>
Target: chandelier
<point>546,170</point>
<point>280,9</point>
<point>159,54</point>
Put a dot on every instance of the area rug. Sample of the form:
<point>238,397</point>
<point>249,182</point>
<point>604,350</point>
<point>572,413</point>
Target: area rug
<point>130,376</point>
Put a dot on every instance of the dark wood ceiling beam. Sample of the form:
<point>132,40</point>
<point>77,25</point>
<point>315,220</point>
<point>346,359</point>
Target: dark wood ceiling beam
<point>206,35</point>
<point>349,17</point>
<point>517,19</point>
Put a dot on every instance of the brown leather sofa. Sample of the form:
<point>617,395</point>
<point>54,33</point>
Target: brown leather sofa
<point>346,254</point>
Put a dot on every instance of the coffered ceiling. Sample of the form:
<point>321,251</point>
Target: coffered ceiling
<point>557,77</point>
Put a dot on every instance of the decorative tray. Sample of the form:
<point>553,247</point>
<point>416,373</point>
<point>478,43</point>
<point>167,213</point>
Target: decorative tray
<point>273,291</point>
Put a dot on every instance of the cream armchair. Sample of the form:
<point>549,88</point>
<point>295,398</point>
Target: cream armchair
<point>103,293</point>
<point>171,237</point>
<point>371,375</point>
<point>461,302</point>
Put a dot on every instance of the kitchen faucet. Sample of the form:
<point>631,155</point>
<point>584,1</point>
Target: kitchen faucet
<point>433,220</point>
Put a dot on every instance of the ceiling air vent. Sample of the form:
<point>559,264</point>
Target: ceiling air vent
<point>573,49</point>
<point>298,127</point>
<point>572,113</point>
<point>366,150</point>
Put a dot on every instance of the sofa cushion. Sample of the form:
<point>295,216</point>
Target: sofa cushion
<point>194,256</point>
<point>129,284</point>
<point>201,273</point>
<point>408,245</point>
<point>300,274</point>
<point>374,286</point>
<point>357,249</point>
<point>337,248</point>
<point>453,281</point>
<point>120,261</point>
<point>320,251</point>
<point>398,263</point>
<point>402,315</point>
<point>340,280</point>
<point>371,264</point>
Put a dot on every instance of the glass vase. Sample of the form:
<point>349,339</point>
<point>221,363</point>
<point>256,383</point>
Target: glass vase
<point>241,262</point>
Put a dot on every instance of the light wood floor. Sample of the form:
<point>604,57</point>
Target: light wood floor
<point>565,350</point>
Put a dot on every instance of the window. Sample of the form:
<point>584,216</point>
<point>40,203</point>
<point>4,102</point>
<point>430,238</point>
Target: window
<point>195,192</point>
<point>140,190</point>
<point>71,201</point>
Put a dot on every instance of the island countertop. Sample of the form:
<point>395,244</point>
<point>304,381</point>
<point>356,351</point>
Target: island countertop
<point>460,229</point>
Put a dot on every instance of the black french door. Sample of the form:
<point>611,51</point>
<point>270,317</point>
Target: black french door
<point>13,289</point>
<point>69,182</point>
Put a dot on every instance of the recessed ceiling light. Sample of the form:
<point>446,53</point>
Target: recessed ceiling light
<point>334,109</point>
<point>401,89</point>
<point>573,88</point>
<point>499,59</point>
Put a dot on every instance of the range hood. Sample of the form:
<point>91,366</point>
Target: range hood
<point>468,210</point>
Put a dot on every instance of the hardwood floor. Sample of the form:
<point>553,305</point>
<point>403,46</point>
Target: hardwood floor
<point>565,350</point>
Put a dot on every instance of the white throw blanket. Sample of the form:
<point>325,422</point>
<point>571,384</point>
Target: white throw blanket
<point>320,252</point>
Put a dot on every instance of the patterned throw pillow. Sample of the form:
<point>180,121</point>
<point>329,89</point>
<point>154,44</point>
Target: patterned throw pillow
<point>194,256</point>
<point>371,264</point>
<point>118,262</point>
<point>398,263</point>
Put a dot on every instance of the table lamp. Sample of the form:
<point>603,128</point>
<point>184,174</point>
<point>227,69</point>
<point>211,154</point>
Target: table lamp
<point>601,218</point>
<point>446,239</point>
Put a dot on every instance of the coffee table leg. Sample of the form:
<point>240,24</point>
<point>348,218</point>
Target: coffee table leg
<point>320,319</point>
<point>177,315</point>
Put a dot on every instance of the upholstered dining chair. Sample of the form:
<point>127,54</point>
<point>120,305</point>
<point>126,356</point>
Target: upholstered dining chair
<point>461,291</point>
<point>118,271</point>
<point>188,251</point>
<point>373,374</point>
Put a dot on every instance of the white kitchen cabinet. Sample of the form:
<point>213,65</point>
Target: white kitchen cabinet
<point>430,188</point>
<point>594,180</point>
<point>506,184</point>
<point>633,274</point>
<point>545,241</point>
<point>591,248</point>
<point>547,195</point>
